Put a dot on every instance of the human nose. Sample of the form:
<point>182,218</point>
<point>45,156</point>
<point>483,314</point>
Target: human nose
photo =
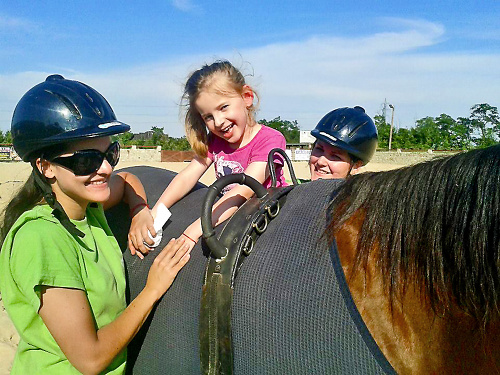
<point>219,120</point>
<point>322,160</point>
<point>105,167</point>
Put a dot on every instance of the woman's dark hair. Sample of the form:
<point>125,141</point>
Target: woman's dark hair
<point>28,196</point>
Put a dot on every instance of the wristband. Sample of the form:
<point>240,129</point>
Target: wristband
<point>132,210</point>
<point>184,234</point>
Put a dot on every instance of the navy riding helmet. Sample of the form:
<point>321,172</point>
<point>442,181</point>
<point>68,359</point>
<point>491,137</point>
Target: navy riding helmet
<point>58,111</point>
<point>349,129</point>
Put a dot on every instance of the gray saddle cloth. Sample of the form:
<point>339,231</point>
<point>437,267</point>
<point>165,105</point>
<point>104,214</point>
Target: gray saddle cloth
<point>292,312</point>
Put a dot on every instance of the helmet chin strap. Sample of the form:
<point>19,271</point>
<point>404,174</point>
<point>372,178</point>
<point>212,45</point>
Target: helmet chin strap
<point>58,210</point>
<point>351,165</point>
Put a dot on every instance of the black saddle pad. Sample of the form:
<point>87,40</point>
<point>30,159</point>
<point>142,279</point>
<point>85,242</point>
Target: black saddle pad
<point>289,314</point>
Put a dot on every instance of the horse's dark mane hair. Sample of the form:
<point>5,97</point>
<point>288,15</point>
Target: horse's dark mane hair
<point>437,222</point>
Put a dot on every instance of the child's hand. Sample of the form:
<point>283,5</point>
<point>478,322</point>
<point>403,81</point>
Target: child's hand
<point>192,234</point>
<point>189,241</point>
<point>166,266</point>
<point>142,221</point>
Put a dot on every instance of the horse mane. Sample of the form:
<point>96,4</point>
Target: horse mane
<point>436,222</point>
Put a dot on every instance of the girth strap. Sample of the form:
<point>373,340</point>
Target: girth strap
<point>232,246</point>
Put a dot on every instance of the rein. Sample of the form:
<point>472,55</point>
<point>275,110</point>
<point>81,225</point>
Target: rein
<point>233,245</point>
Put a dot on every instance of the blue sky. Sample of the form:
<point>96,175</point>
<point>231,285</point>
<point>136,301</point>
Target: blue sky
<point>303,58</point>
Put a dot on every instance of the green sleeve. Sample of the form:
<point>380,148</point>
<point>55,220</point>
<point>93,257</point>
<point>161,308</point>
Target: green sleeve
<point>44,253</point>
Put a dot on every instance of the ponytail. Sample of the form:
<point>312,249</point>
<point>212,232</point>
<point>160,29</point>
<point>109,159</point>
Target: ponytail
<point>25,199</point>
<point>34,191</point>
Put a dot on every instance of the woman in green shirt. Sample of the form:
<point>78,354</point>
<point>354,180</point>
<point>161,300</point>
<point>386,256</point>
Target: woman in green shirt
<point>61,272</point>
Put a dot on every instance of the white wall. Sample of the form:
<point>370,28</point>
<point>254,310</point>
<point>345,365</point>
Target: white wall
<point>306,137</point>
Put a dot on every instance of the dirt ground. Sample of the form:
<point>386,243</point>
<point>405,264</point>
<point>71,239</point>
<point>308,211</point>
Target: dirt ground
<point>13,174</point>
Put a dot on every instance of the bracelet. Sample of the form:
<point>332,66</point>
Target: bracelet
<point>142,204</point>
<point>184,234</point>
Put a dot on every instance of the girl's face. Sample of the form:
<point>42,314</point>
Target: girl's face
<point>327,162</point>
<point>73,192</point>
<point>226,116</point>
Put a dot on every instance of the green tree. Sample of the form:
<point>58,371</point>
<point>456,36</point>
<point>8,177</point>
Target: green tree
<point>289,129</point>
<point>402,138</point>
<point>426,133</point>
<point>158,137</point>
<point>486,121</point>
<point>445,124</point>
<point>125,139</point>
<point>7,137</point>
<point>383,130</point>
<point>177,144</point>
<point>461,134</point>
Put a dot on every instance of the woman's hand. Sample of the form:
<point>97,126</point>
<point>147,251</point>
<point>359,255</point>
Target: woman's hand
<point>69,318</point>
<point>142,221</point>
<point>166,266</point>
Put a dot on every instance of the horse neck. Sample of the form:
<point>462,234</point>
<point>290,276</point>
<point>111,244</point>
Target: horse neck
<point>414,338</point>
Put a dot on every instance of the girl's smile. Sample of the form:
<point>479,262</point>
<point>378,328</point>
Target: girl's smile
<point>227,116</point>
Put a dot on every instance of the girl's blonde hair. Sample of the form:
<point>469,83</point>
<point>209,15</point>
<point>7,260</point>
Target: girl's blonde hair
<point>203,79</point>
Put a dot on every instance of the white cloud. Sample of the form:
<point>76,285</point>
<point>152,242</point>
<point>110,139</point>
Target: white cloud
<point>185,5</point>
<point>306,79</point>
<point>8,23</point>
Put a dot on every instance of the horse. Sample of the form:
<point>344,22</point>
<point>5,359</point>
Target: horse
<point>386,272</point>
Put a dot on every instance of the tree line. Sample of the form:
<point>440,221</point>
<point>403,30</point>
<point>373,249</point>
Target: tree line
<point>480,129</point>
<point>157,137</point>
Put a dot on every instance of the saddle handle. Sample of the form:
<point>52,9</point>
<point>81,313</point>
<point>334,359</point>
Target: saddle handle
<point>272,167</point>
<point>218,251</point>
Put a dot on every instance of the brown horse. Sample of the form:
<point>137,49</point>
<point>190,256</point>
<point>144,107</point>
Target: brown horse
<point>386,272</point>
<point>420,250</point>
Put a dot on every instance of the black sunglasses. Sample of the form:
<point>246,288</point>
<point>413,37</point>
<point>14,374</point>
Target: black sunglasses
<point>86,162</point>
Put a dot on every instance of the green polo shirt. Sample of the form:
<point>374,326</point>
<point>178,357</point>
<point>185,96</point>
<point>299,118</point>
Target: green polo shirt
<point>39,251</point>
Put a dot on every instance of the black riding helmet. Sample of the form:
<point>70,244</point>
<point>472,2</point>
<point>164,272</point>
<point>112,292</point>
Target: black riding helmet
<point>349,129</point>
<point>59,111</point>
<point>54,113</point>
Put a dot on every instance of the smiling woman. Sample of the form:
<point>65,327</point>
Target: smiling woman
<point>346,139</point>
<point>62,277</point>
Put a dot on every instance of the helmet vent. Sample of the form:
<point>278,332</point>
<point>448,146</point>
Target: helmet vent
<point>72,108</point>
<point>353,132</point>
<point>94,105</point>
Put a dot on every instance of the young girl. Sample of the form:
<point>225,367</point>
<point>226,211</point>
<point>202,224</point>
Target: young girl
<point>62,277</point>
<point>221,129</point>
<point>346,139</point>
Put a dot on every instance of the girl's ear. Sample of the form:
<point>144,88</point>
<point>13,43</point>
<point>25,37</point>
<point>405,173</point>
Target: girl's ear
<point>247,95</point>
<point>45,168</point>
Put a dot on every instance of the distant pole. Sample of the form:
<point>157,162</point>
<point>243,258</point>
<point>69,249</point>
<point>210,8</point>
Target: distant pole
<point>384,110</point>
<point>392,124</point>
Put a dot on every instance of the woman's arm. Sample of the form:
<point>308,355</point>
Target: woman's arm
<point>229,203</point>
<point>126,187</point>
<point>68,316</point>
